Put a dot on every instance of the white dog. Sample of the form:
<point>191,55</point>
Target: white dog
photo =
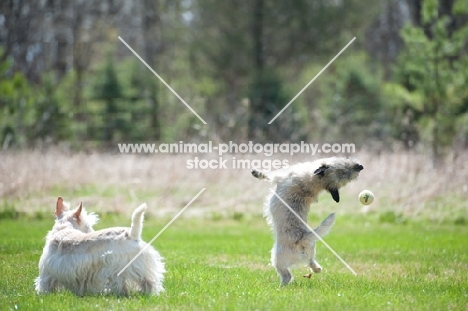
<point>85,261</point>
<point>298,187</point>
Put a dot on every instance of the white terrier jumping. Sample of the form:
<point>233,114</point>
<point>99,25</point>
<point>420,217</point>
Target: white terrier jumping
<point>85,261</point>
<point>299,186</point>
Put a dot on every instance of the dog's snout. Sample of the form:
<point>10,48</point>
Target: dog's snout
<point>359,167</point>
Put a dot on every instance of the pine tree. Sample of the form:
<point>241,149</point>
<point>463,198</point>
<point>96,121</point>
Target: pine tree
<point>108,89</point>
<point>431,75</point>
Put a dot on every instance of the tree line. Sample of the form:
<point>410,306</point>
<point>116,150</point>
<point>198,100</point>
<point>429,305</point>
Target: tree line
<point>65,76</point>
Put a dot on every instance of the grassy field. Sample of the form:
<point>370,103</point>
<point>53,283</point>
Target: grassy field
<point>409,248</point>
<point>223,263</point>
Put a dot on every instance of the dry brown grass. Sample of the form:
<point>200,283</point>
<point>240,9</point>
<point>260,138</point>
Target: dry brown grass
<point>404,183</point>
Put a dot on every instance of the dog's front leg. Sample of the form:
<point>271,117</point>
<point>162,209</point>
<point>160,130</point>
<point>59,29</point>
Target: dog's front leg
<point>45,284</point>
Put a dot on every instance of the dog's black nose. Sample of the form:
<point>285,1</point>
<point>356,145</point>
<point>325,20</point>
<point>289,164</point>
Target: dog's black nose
<point>359,167</point>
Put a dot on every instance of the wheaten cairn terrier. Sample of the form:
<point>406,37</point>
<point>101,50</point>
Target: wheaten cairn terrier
<point>85,261</point>
<point>298,186</point>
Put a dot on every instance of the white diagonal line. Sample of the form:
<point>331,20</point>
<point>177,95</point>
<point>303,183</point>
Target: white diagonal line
<point>162,80</point>
<point>160,232</point>
<point>313,231</point>
<point>316,76</point>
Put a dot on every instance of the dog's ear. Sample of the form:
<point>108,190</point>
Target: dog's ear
<point>60,207</point>
<point>321,170</point>
<point>78,212</point>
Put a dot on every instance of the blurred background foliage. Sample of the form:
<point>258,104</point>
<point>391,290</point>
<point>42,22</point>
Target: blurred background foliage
<point>65,78</point>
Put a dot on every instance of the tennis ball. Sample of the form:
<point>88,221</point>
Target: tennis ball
<point>366,197</point>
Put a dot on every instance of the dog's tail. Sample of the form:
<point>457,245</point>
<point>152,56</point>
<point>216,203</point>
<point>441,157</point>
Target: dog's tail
<point>259,174</point>
<point>326,225</point>
<point>137,222</point>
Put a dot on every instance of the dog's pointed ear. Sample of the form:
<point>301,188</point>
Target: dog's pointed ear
<point>321,170</point>
<point>60,207</point>
<point>335,195</point>
<point>78,211</point>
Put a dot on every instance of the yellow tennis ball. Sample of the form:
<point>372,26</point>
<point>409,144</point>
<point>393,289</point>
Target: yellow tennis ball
<point>366,197</point>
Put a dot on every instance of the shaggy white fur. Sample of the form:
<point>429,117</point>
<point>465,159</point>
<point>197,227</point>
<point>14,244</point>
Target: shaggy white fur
<point>299,186</point>
<point>85,261</point>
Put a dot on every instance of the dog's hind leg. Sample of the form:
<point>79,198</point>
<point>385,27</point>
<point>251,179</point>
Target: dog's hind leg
<point>147,286</point>
<point>118,285</point>
<point>81,289</point>
<point>315,266</point>
<point>309,240</point>
<point>279,260</point>
<point>285,275</point>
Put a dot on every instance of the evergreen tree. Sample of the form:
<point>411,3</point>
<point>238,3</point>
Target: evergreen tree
<point>431,76</point>
<point>16,107</point>
<point>108,89</point>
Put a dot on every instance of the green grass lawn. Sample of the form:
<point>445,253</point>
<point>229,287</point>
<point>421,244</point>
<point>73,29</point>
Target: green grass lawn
<point>224,264</point>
